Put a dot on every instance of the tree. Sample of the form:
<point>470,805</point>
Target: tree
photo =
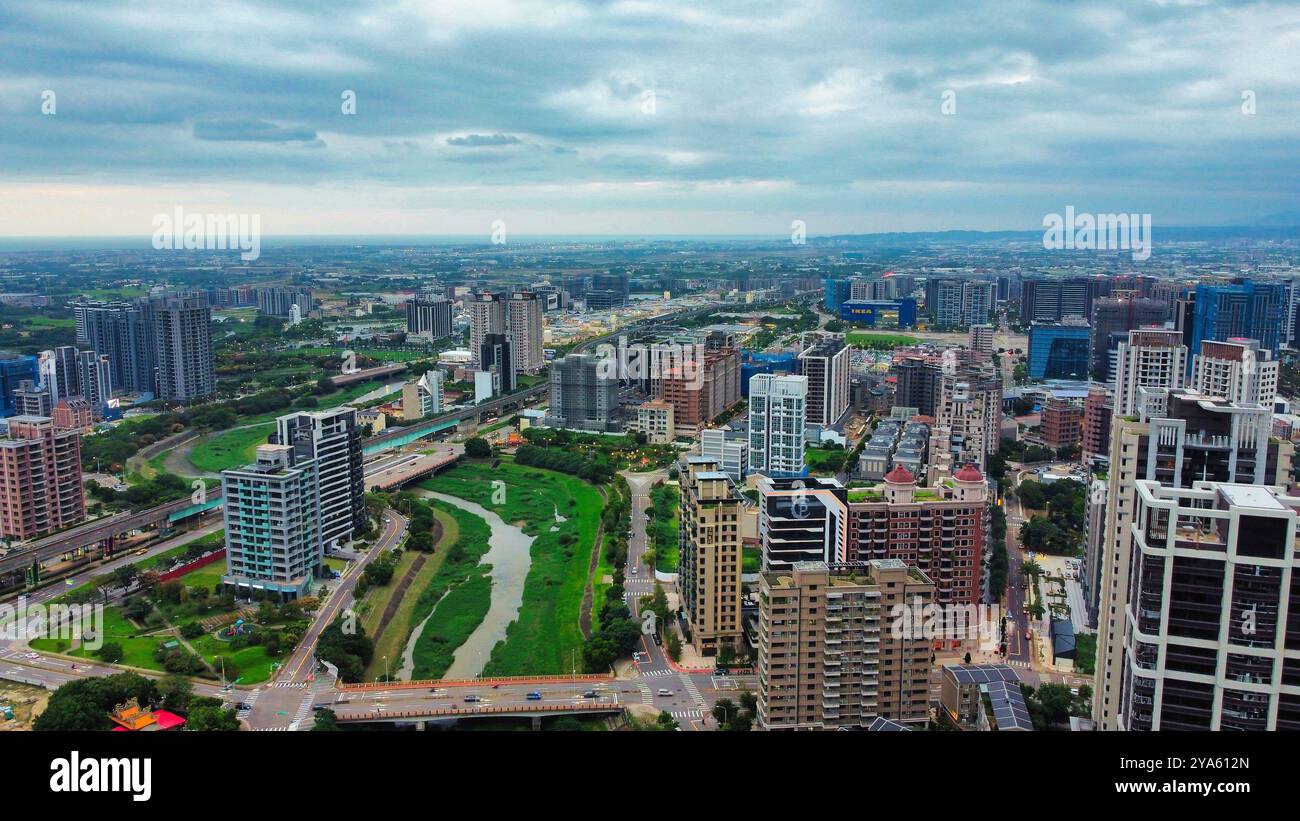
<point>175,692</point>
<point>326,721</point>
<point>110,652</point>
<point>478,448</point>
<point>210,715</point>
<point>84,704</point>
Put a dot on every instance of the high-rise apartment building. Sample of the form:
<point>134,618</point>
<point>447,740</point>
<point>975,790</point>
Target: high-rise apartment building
<point>273,524</point>
<point>1051,300</point>
<point>776,424</point>
<point>917,383</point>
<point>1209,642</point>
<point>30,400</point>
<point>1239,370</point>
<point>1062,423</point>
<point>1150,358</point>
<point>1098,407</point>
<point>524,328</point>
<point>730,450</point>
<point>280,300</point>
<point>654,418</point>
<point>487,315</point>
<point>703,388</point>
<point>960,303</point>
<point>981,340</point>
<point>423,397</point>
<point>40,478</point>
<point>828,656</point>
<point>710,563</point>
<point>1117,314</point>
<point>802,520</point>
<point>186,363</point>
<point>583,396</point>
<point>333,439</point>
<point>124,332</point>
<point>429,318</point>
<point>968,409</point>
<point>943,531</point>
<point>1192,438</point>
<point>94,380</point>
<point>496,356</point>
<point>58,372</point>
<point>825,364</point>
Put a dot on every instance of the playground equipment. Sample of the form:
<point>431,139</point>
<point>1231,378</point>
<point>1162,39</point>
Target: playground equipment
<point>239,628</point>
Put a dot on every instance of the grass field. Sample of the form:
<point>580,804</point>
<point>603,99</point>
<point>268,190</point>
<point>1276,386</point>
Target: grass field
<point>460,550</point>
<point>541,640</point>
<point>232,448</point>
<point>862,339</point>
<point>456,616</point>
<point>392,640</point>
<point>207,576</point>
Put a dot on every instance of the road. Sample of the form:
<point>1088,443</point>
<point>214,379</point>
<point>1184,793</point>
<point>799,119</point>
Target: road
<point>688,697</point>
<point>286,702</point>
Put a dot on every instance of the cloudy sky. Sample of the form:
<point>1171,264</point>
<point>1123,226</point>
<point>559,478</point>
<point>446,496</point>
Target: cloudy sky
<point>644,117</point>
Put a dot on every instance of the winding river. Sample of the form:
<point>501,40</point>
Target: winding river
<point>510,557</point>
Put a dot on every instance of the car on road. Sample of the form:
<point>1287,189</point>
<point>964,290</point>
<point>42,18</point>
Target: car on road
<point>473,699</point>
<point>534,696</point>
<point>243,705</point>
<point>658,639</point>
<point>663,691</point>
<point>591,694</point>
<point>33,655</point>
<point>634,569</point>
<point>316,708</point>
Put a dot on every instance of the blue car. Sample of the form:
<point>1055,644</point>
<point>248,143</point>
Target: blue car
<point>534,696</point>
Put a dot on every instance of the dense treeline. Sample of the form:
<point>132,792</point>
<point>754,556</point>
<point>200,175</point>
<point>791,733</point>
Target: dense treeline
<point>565,461</point>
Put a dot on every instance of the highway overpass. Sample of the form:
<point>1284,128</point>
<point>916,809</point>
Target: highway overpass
<point>103,531</point>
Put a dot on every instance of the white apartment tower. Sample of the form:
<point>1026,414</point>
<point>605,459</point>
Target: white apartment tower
<point>1151,358</point>
<point>776,424</point>
<point>487,315</point>
<point>524,329</point>
<point>333,439</point>
<point>1238,370</point>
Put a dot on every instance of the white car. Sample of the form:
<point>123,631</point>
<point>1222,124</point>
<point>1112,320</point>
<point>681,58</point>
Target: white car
<point>634,569</point>
<point>33,655</point>
<point>665,692</point>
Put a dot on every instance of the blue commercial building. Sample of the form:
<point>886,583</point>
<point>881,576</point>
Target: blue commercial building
<point>754,363</point>
<point>1058,351</point>
<point>837,292</point>
<point>14,368</point>
<point>899,313</point>
<point>1254,310</point>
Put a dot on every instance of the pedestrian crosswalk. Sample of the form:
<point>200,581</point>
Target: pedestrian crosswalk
<point>692,690</point>
<point>653,673</point>
<point>646,696</point>
<point>244,712</point>
<point>687,714</point>
<point>1017,663</point>
<point>272,729</point>
<point>301,685</point>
